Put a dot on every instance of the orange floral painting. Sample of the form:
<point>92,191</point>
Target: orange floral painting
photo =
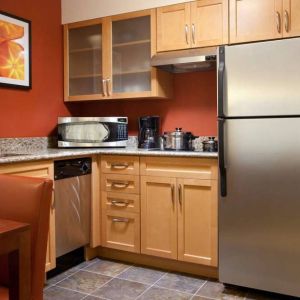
<point>14,51</point>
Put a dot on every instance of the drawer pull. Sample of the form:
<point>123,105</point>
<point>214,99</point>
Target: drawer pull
<point>119,185</point>
<point>120,220</point>
<point>119,203</point>
<point>119,166</point>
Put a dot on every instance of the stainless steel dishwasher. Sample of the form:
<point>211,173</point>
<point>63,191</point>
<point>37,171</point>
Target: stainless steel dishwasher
<point>72,204</point>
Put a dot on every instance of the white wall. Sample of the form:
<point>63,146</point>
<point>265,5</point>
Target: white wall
<point>78,10</point>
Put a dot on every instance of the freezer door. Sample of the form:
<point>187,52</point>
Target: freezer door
<point>262,79</point>
<point>259,219</point>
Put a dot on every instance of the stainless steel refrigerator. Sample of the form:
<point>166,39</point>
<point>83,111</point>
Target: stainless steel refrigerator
<point>259,162</point>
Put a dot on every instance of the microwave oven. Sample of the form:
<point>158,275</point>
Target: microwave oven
<point>92,132</point>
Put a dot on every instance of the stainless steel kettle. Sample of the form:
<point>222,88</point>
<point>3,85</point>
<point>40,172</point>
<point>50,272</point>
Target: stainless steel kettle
<point>178,140</point>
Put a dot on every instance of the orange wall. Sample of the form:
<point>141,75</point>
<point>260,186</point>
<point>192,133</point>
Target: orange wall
<point>193,107</point>
<point>34,112</point>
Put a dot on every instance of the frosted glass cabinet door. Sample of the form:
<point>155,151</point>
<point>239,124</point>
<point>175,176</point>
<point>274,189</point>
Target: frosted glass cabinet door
<point>131,53</point>
<point>85,60</point>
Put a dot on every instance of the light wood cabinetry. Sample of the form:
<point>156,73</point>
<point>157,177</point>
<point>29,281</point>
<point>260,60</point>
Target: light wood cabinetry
<point>254,20</point>
<point>120,197</point>
<point>159,216</point>
<point>173,27</point>
<point>109,58</point>
<point>179,209</point>
<point>197,221</point>
<point>43,169</point>
<point>291,18</point>
<point>195,24</point>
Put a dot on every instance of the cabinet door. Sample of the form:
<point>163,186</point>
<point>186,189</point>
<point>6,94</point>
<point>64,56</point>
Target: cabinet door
<point>173,27</point>
<point>253,20</point>
<point>209,22</point>
<point>158,217</point>
<point>83,61</point>
<point>41,170</point>
<point>197,221</point>
<point>131,54</point>
<point>291,17</point>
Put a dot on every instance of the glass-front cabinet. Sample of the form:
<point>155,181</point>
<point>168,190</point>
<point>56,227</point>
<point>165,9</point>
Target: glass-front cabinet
<point>109,58</point>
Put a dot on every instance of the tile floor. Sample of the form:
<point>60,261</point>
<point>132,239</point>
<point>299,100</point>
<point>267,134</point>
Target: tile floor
<point>111,280</point>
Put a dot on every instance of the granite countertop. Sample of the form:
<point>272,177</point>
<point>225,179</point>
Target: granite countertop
<point>53,153</point>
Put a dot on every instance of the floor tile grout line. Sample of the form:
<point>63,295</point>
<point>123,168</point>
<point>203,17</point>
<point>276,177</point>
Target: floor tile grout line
<point>200,288</point>
<point>165,288</point>
<point>68,289</point>
<point>112,277</point>
<point>126,279</point>
<point>147,289</point>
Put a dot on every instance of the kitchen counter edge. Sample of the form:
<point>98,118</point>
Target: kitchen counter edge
<point>64,153</point>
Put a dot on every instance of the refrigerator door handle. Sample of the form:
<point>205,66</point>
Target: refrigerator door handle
<point>221,71</point>
<point>222,168</point>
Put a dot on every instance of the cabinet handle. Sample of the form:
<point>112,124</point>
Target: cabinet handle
<point>286,21</point>
<point>119,166</point>
<point>120,220</point>
<point>119,203</point>
<point>193,34</point>
<point>172,193</point>
<point>278,21</point>
<point>104,87</point>
<point>108,87</point>
<point>180,194</point>
<point>120,184</point>
<point>186,33</point>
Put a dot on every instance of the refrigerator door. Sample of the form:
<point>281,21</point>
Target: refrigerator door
<point>261,79</point>
<point>259,218</point>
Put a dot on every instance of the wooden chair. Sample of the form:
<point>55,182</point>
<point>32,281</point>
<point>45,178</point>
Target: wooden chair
<point>27,200</point>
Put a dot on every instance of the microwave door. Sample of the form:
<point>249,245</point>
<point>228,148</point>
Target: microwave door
<point>91,132</point>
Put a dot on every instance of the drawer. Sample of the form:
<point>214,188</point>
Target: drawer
<point>121,231</point>
<point>116,202</point>
<point>120,183</point>
<point>198,168</point>
<point>117,164</point>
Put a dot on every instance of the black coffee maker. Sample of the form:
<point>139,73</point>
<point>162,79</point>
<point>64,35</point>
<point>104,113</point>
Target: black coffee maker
<point>149,131</point>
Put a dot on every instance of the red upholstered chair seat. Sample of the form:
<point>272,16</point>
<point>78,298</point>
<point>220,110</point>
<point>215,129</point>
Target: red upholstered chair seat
<point>27,200</point>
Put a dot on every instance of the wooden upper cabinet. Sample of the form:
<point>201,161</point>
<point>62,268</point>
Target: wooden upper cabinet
<point>173,27</point>
<point>253,20</point>
<point>195,24</point>
<point>109,58</point>
<point>291,18</point>
<point>197,221</point>
<point>209,23</point>
<point>158,216</point>
<point>83,67</point>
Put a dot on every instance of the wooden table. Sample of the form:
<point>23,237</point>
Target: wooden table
<point>15,242</point>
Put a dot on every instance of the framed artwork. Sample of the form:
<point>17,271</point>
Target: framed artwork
<point>15,51</point>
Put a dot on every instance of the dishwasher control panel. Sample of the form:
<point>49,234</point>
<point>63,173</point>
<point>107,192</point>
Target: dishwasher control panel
<point>72,167</point>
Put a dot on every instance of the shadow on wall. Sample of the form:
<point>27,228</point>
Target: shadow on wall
<point>193,107</point>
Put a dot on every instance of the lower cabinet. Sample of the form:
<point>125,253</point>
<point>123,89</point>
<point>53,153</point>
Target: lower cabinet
<point>159,216</point>
<point>120,203</point>
<point>120,221</point>
<point>167,209</point>
<point>41,169</point>
<point>179,214</point>
<point>197,221</point>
